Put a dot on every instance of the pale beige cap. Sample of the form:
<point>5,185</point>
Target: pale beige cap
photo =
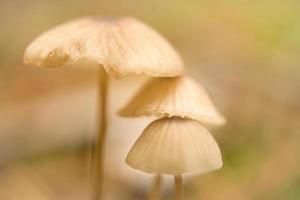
<point>175,146</point>
<point>122,45</point>
<point>180,96</point>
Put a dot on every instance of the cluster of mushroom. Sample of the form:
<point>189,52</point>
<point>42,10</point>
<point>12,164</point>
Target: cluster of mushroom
<point>177,142</point>
<point>174,144</point>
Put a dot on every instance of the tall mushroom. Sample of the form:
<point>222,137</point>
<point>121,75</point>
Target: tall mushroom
<point>178,142</point>
<point>120,46</point>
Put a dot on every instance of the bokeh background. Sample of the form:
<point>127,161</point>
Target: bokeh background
<point>246,53</point>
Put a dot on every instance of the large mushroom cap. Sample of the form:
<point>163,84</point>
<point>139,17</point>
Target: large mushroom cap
<point>121,45</point>
<point>179,96</point>
<point>175,146</point>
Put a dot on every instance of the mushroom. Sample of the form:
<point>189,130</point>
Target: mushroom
<point>175,146</point>
<point>178,142</point>
<point>179,96</point>
<point>121,46</point>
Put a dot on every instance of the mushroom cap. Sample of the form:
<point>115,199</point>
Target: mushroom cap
<point>122,45</point>
<point>180,96</point>
<point>175,146</point>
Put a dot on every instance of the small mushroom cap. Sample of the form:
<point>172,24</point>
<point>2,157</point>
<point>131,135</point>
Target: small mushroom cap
<point>175,146</point>
<point>179,96</point>
<point>122,45</point>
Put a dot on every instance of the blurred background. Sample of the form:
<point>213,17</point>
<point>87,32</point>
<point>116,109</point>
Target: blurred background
<point>245,53</point>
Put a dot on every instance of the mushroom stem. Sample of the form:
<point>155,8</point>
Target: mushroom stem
<point>101,136</point>
<point>154,193</point>
<point>178,187</point>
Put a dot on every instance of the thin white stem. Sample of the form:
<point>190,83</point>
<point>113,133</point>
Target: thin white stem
<point>155,188</point>
<point>178,187</point>
<point>101,136</point>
